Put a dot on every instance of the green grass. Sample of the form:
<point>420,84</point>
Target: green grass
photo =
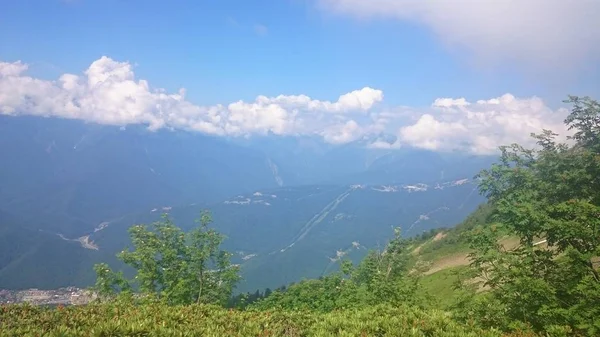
<point>440,286</point>
<point>433,251</point>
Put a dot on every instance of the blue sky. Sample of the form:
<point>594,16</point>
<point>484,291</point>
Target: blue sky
<point>225,51</point>
<point>213,49</point>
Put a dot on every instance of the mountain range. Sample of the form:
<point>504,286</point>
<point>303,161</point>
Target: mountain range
<point>291,207</point>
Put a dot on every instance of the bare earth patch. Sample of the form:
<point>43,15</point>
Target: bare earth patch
<point>418,249</point>
<point>87,243</point>
<point>437,237</point>
<point>462,259</point>
<point>451,261</point>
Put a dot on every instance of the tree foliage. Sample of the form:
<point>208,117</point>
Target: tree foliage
<point>549,197</point>
<point>174,266</point>
<point>381,277</point>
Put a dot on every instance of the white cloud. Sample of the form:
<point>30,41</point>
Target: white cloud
<point>12,69</point>
<point>357,100</point>
<point>343,133</point>
<point>362,99</point>
<point>109,93</point>
<point>431,134</point>
<point>450,102</point>
<point>548,34</point>
<point>482,126</point>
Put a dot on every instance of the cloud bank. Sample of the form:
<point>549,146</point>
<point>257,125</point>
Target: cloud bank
<point>482,126</point>
<point>108,93</point>
<point>545,34</point>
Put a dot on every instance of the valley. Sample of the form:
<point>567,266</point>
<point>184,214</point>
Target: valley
<point>286,234</point>
<point>286,217</point>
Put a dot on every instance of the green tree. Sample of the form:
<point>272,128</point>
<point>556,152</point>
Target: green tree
<point>174,266</point>
<point>549,197</point>
<point>381,277</point>
<point>108,282</point>
<point>385,276</point>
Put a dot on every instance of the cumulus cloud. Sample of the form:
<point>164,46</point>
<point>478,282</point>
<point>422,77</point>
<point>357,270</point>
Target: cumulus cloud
<point>480,127</point>
<point>431,134</point>
<point>343,133</point>
<point>12,69</point>
<point>108,93</point>
<point>538,33</point>
<point>449,102</point>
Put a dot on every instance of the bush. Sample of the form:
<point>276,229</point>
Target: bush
<point>155,319</point>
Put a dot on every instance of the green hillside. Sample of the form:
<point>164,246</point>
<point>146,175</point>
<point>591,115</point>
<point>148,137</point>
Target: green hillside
<point>528,262</point>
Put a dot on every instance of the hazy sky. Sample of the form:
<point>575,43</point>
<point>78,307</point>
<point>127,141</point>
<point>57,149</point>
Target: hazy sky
<point>437,74</point>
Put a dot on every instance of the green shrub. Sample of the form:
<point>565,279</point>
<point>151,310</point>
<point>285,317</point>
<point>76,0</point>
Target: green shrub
<point>157,319</point>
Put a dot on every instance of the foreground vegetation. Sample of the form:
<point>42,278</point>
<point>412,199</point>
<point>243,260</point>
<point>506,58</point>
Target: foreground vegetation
<point>206,320</point>
<point>545,202</point>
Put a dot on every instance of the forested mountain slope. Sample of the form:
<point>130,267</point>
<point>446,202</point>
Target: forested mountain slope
<point>278,235</point>
<point>76,187</point>
<point>69,176</point>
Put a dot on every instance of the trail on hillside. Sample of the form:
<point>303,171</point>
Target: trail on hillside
<point>462,259</point>
<point>446,262</point>
<point>317,218</point>
<point>437,237</point>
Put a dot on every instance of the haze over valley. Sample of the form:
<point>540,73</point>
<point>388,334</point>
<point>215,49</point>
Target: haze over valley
<point>70,200</point>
